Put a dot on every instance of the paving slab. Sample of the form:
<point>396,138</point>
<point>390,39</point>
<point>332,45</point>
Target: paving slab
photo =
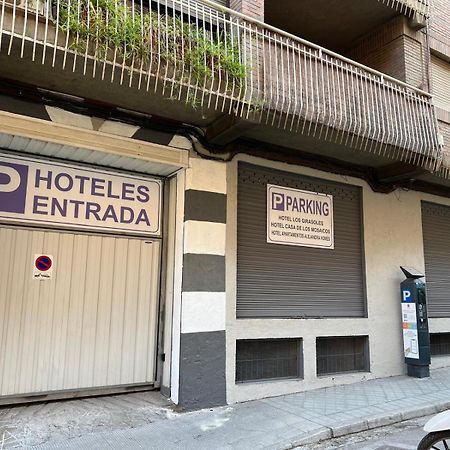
<point>147,421</point>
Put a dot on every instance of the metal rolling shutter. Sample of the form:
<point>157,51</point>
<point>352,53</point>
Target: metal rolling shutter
<point>93,325</point>
<point>436,242</point>
<point>440,71</point>
<point>290,281</point>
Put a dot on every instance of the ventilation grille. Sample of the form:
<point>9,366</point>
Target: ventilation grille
<point>342,354</point>
<point>440,344</point>
<point>267,359</point>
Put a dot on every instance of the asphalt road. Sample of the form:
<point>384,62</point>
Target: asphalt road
<point>401,436</point>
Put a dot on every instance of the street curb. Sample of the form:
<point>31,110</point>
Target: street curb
<point>349,428</point>
<point>322,434</point>
<point>372,422</point>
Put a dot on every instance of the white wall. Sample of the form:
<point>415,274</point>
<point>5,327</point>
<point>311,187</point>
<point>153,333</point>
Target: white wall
<point>178,237</point>
<point>392,237</point>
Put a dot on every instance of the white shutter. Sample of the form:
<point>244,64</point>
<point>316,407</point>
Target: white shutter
<point>440,71</point>
<point>94,324</point>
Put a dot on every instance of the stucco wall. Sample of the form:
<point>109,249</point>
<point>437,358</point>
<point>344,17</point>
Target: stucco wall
<point>392,237</point>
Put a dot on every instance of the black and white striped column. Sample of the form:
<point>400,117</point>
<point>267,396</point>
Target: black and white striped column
<point>202,342</point>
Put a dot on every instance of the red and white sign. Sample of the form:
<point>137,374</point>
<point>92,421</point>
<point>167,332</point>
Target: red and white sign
<point>43,267</point>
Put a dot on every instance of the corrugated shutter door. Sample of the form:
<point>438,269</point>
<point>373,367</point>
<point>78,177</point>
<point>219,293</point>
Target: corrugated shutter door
<point>436,243</point>
<point>440,71</point>
<point>291,281</point>
<point>93,325</point>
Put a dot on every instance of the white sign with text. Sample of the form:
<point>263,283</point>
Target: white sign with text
<point>410,335</point>
<point>40,192</point>
<point>296,217</point>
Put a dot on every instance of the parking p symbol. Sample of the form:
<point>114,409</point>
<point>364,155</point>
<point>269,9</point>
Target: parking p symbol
<point>13,187</point>
<point>406,296</point>
<point>277,201</point>
<point>14,179</point>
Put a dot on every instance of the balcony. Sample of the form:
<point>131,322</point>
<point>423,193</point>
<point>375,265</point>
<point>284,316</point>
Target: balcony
<point>409,7</point>
<point>201,63</point>
<point>338,24</point>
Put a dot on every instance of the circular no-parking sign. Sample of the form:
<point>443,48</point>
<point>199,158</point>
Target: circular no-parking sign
<point>43,263</point>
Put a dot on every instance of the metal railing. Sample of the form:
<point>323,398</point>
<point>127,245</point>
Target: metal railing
<point>209,56</point>
<point>409,7</point>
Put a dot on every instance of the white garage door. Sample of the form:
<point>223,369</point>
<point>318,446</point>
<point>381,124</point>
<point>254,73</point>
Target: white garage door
<point>93,324</point>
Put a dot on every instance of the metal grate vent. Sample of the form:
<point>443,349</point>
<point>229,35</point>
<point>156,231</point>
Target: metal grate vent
<point>267,359</point>
<point>342,354</point>
<point>440,344</point>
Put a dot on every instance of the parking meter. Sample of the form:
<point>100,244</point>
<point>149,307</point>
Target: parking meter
<point>416,337</point>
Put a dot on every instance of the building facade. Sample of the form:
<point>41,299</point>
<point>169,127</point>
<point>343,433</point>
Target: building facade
<point>215,199</point>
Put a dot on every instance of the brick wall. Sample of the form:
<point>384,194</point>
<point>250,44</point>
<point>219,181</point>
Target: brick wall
<point>253,8</point>
<point>439,39</point>
<point>382,49</point>
<point>393,49</point>
<point>439,27</point>
<point>416,60</point>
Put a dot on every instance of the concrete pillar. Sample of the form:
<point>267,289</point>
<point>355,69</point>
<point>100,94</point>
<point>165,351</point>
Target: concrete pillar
<point>253,8</point>
<point>202,340</point>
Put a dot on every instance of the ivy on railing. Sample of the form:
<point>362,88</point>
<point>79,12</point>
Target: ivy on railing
<point>139,37</point>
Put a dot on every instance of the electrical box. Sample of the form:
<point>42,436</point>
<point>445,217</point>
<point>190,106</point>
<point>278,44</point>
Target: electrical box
<point>416,336</point>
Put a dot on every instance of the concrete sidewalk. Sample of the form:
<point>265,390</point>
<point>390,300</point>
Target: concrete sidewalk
<point>281,422</point>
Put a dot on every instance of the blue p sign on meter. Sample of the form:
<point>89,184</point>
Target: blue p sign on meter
<point>406,296</point>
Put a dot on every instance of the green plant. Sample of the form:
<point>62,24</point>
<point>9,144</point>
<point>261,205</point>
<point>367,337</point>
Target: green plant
<point>192,54</point>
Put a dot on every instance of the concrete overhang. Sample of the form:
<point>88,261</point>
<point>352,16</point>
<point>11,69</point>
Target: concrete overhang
<point>333,24</point>
<point>39,137</point>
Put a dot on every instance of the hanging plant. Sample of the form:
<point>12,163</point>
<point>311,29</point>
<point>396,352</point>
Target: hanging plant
<point>195,55</point>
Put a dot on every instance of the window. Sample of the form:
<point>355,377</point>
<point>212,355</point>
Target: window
<point>440,72</point>
<point>266,359</point>
<point>342,354</point>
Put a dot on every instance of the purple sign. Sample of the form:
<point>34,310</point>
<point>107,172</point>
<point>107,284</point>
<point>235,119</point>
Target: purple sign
<point>13,187</point>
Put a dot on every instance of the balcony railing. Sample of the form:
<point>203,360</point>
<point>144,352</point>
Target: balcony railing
<point>409,7</point>
<point>208,56</point>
